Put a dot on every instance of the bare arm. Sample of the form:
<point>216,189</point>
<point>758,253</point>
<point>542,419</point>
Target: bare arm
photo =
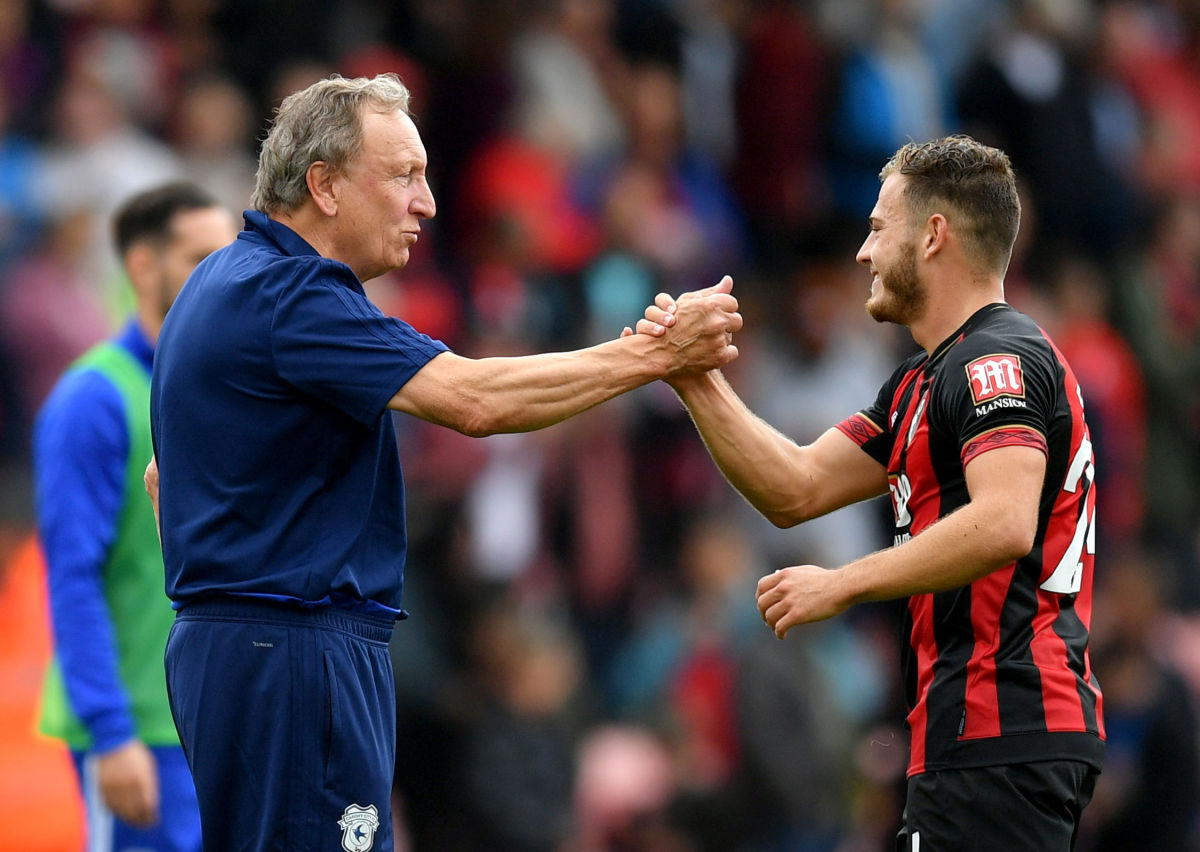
<point>786,482</point>
<point>995,528</point>
<point>488,395</point>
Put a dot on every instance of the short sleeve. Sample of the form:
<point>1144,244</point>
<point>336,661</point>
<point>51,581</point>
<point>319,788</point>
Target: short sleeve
<point>870,428</point>
<point>329,341</point>
<point>996,393</point>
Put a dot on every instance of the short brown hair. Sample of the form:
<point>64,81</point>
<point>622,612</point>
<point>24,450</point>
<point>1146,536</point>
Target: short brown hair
<point>321,123</point>
<point>974,181</point>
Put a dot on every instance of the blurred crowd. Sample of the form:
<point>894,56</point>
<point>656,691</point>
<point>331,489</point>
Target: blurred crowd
<point>584,668</point>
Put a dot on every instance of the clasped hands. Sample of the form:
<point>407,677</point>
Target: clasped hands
<point>697,327</point>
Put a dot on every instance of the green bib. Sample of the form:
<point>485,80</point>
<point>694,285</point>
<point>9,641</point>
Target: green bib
<point>133,580</point>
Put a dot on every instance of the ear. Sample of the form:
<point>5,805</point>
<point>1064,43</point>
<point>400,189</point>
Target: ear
<point>320,180</point>
<point>935,235</point>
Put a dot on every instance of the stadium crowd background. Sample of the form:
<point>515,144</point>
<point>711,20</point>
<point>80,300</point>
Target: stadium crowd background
<point>585,668</point>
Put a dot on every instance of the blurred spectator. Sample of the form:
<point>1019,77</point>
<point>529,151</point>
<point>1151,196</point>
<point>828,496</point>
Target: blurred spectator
<point>213,130</point>
<point>889,92</point>
<point>568,73</point>
<point>1116,115</point>
<point>123,45</point>
<point>99,156</point>
<point>782,103</point>
<point>705,618</point>
<point>196,42</point>
<point>710,53</point>
<point>260,37</point>
<point>20,171</point>
<point>502,509</point>
<point>1113,391</point>
<point>678,673</point>
<point>1149,793</point>
<point>955,32</point>
<point>1032,94</point>
<point>517,763</point>
<point>624,786</point>
<point>597,529</point>
<point>522,230</point>
<point>1158,308</point>
<point>28,60</point>
<point>679,213</point>
<point>1155,47</point>
<point>50,310</point>
<point>805,708</point>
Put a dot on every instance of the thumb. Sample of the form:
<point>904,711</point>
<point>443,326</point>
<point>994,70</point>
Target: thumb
<point>725,285</point>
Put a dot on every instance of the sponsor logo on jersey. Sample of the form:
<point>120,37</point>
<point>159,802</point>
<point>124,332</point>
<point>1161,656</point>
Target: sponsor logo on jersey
<point>1002,402</point>
<point>901,488</point>
<point>995,376</point>
<point>358,826</point>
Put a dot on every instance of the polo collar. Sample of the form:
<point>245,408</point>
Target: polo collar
<point>262,228</point>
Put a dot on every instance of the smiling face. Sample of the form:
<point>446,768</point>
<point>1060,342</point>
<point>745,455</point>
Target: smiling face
<point>382,195</point>
<point>890,252</point>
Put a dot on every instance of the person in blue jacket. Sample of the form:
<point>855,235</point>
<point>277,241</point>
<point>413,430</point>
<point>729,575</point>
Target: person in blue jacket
<point>281,497</point>
<point>105,693</point>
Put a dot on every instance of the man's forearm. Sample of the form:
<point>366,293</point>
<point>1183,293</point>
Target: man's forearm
<point>954,552</point>
<point>489,395</point>
<point>520,394</point>
<point>758,461</point>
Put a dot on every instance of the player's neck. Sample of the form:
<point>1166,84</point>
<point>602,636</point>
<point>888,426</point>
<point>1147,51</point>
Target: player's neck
<point>942,317</point>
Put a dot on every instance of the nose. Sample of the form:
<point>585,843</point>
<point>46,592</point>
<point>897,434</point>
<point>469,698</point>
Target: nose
<point>864,254</point>
<point>423,204</point>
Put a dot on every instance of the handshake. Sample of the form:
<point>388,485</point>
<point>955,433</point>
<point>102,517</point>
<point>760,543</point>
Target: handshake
<point>694,333</point>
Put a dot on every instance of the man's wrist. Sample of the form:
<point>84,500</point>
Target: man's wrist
<point>691,386</point>
<point>850,584</point>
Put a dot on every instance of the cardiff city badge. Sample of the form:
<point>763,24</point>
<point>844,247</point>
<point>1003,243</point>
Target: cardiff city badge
<point>358,826</point>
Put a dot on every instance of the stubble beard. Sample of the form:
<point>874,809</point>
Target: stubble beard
<point>167,294</point>
<point>901,296</point>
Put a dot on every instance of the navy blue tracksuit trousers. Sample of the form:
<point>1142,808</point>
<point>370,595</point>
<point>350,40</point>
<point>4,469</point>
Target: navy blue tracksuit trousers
<point>287,717</point>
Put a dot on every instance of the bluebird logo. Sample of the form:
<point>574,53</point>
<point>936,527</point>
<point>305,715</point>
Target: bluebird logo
<point>358,826</point>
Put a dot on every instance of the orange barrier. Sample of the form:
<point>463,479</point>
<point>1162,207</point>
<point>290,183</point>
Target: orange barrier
<point>40,805</point>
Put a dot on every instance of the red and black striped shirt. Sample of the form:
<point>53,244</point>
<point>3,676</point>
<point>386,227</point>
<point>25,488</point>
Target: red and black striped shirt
<point>995,672</point>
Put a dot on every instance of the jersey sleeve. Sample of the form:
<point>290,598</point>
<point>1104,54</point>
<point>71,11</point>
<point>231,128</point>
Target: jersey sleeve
<point>331,342</point>
<point>870,428</point>
<point>996,393</point>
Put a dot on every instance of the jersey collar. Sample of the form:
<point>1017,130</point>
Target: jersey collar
<point>262,228</point>
<point>961,332</point>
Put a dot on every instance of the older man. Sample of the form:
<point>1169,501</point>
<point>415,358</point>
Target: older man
<point>282,505</point>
